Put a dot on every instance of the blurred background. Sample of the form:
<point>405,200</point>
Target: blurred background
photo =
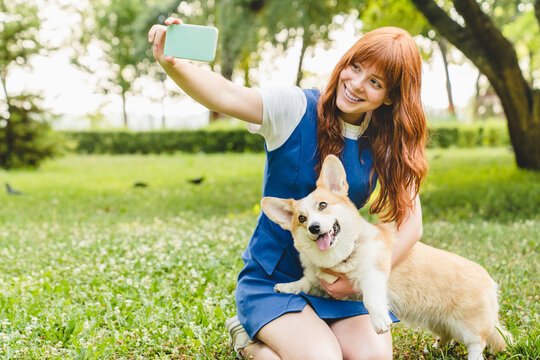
<point>87,65</point>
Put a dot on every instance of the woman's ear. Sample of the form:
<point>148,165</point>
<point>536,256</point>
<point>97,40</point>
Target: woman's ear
<point>387,101</point>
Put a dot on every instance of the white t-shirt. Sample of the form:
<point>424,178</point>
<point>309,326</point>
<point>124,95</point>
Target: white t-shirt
<point>283,108</point>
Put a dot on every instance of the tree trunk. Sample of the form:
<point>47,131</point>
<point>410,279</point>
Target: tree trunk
<point>124,110</point>
<point>444,52</point>
<point>3,77</point>
<point>476,110</point>
<point>483,43</point>
<point>163,117</point>
<point>305,44</point>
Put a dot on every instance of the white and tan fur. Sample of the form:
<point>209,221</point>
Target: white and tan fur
<point>453,297</point>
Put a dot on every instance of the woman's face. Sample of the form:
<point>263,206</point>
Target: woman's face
<point>360,89</point>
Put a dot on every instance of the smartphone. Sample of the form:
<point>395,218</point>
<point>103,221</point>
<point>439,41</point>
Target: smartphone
<point>192,42</point>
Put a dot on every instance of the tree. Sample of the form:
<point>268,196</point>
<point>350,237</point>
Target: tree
<point>24,132</point>
<point>235,19</point>
<point>309,21</point>
<point>110,25</point>
<point>19,29</point>
<point>479,38</point>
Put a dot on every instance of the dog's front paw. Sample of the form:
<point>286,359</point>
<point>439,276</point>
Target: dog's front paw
<point>288,288</point>
<point>381,323</point>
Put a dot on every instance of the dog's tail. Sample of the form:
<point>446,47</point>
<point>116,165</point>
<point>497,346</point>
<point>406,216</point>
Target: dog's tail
<point>499,338</point>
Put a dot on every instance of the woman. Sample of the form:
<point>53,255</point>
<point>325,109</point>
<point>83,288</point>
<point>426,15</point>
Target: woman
<point>370,115</point>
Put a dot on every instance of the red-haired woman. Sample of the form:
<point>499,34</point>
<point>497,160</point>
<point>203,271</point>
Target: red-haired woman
<point>370,115</point>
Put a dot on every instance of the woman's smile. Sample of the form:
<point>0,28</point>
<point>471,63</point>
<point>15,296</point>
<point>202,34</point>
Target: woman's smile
<point>350,95</point>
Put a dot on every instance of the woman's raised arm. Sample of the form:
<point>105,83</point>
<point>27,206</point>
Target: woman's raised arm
<point>206,87</point>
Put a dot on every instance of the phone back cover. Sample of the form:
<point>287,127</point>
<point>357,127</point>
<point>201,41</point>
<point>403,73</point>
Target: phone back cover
<point>191,42</point>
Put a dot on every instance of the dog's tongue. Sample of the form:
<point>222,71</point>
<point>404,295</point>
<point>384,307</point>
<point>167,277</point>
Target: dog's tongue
<point>323,241</point>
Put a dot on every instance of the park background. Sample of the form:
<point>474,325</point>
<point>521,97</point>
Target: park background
<point>129,205</point>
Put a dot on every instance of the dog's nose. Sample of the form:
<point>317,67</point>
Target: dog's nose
<point>314,228</point>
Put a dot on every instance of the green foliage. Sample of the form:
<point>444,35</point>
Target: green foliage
<point>236,139</point>
<point>394,13</point>
<point>19,28</point>
<point>114,26</point>
<point>25,136</point>
<point>93,268</point>
<point>26,139</point>
<point>468,135</point>
<point>307,21</point>
<point>523,29</point>
<point>247,26</point>
<point>157,142</point>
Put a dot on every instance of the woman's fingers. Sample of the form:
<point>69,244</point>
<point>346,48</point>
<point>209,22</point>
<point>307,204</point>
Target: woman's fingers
<point>151,33</point>
<point>159,40</point>
<point>173,20</point>
<point>157,28</point>
<point>157,34</point>
<point>154,30</point>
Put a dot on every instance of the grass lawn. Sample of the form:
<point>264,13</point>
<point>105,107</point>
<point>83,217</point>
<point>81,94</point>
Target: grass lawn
<point>95,268</point>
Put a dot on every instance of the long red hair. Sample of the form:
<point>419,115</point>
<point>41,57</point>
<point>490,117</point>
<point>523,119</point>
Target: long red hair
<point>397,132</point>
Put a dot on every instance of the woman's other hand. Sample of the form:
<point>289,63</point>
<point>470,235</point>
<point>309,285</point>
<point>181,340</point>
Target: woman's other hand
<point>157,35</point>
<point>339,289</point>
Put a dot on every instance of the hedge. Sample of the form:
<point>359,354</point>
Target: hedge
<point>240,140</point>
<point>469,135</point>
<point>157,142</point>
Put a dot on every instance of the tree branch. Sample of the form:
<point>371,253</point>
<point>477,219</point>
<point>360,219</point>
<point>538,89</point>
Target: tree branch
<point>462,37</point>
<point>489,37</point>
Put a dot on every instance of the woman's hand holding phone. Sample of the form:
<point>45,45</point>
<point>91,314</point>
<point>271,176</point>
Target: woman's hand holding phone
<point>157,35</point>
<point>203,85</point>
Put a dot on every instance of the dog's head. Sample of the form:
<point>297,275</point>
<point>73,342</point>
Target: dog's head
<point>325,220</point>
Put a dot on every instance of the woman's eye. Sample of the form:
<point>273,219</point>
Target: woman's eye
<point>322,205</point>
<point>376,84</point>
<point>355,67</point>
<point>302,218</point>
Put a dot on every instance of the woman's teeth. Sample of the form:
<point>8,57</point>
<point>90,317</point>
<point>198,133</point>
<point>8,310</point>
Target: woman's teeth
<point>351,96</point>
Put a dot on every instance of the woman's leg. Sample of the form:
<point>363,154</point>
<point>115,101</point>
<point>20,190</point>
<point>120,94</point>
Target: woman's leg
<point>359,341</point>
<point>301,335</point>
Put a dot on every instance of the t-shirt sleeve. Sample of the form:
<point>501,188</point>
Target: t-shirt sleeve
<point>283,108</point>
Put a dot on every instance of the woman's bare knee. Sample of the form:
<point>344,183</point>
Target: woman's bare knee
<point>302,335</point>
<point>259,351</point>
<point>358,340</point>
<point>371,353</point>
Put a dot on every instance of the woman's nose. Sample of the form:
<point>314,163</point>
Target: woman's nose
<point>358,83</point>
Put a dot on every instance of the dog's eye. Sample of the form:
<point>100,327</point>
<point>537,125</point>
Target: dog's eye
<point>322,205</point>
<point>302,218</point>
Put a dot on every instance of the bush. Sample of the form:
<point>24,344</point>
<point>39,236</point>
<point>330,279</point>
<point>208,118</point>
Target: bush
<point>25,138</point>
<point>157,142</point>
<point>240,140</point>
<point>469,135</point>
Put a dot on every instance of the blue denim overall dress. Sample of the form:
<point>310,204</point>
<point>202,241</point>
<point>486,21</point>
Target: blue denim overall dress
<point>271,257</point>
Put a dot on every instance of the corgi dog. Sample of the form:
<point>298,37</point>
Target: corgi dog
<point>453,297</point>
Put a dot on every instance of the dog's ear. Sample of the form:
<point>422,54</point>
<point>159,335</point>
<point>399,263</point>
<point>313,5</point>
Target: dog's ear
<point>278,210</point>
<point>333,176</point>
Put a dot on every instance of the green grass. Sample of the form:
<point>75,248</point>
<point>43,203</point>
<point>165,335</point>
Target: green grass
<point>94,268</point>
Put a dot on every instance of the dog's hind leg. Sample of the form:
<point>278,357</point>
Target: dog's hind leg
<point>475,351</point>
<point>441,342</point>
